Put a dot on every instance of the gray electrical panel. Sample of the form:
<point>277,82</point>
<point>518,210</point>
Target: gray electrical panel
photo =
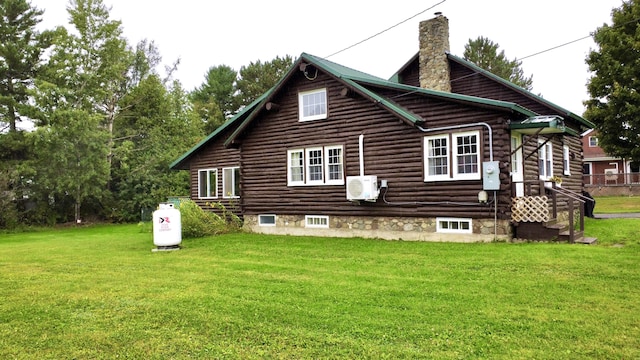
<point>491,175</point>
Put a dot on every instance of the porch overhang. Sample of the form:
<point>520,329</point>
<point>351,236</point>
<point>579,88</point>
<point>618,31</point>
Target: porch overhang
<point>541,125</point>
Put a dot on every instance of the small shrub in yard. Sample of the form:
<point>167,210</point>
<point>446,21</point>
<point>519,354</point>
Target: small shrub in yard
<point>197,222</point>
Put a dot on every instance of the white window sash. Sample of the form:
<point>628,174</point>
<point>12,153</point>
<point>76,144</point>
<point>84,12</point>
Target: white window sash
<point>332,162</point>
<point>428,140</point>
<point>314,103</point>
<point>204,189</point>
<point>451,172</point>
<point>474,175</point>
<point>314,166</point>
<point>545,160</point>
<point>566,155</point>
<point>296,165</point>
<point>229,183</point>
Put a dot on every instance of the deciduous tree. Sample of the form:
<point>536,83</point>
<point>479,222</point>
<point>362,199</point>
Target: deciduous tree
<point>614,87</point>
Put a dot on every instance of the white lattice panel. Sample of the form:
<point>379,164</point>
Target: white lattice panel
<point>530,209</point>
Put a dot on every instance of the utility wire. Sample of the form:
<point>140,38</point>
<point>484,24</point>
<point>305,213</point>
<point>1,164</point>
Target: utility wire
<point>576,40</point>
<point>385,30</point>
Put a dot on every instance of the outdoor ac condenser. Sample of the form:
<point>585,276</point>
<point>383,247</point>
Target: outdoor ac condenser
<point>362,188</point>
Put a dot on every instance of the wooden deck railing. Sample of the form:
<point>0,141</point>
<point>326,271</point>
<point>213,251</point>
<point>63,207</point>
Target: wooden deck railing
<point>612,178</point>
<point>556,193</point>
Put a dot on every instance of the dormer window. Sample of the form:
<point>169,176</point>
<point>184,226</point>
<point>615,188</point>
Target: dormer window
<point>313,105</point>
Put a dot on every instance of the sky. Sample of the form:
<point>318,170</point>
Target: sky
<point>235,33</point>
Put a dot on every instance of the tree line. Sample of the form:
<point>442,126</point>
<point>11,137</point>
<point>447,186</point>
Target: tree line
<point>105,123</point>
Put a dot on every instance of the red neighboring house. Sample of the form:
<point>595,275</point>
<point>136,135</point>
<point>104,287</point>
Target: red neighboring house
<point>601,169</point>
<point>441,151</point>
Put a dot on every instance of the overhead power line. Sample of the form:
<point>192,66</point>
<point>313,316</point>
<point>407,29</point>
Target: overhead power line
<point>385,30</point>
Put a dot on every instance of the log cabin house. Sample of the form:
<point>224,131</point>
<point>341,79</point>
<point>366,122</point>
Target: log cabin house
<point>441,151</point>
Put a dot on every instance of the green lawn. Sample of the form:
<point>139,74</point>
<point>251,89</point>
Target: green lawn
<point>100,293</point>
<point>617,204</point>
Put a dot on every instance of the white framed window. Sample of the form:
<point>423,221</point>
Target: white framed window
<point>545,160</point>
<point>566,157</point>
<point>315,169</point>
<point>208,183</point>
<point>266,220</point>
<point>231,182</point>
<point>454,225</point>
<point>466,155</point>
<point>437,157</point>
<point>318,165</point>
<point>452,156</point>
<point>316,221</point>
<point>593,141</point>
<point>312,105</point>
<point>334,165</point>
<point>295,172</point>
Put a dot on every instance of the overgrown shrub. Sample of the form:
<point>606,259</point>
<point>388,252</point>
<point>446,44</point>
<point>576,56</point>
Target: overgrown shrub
<point>197,222</point>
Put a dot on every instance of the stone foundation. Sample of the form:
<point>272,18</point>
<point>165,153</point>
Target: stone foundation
<point>406,228</point>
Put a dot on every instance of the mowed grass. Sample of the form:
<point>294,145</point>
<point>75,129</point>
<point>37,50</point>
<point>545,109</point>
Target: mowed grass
<point>617,204</point>
<point>100,293</point>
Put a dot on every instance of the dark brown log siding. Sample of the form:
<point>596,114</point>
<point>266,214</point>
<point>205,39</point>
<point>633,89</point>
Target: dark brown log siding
<point>393,150</point>
<point>571,182</point>
<point>215,156</point>
<point>467,82</point>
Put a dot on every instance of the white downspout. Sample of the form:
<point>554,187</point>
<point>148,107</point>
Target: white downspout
<point>361,152</point>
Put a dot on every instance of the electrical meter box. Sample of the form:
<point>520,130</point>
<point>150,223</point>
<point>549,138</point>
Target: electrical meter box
<point>491,175</point>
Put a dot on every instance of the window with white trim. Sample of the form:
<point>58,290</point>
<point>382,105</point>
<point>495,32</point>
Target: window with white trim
<point>545,160</point>
<point>316,221</point>
<point>231,182</point>
<point>452,156</point>
<point>334,165</point>
<point>207,183</point>
<point>593,141</point>
<point>454,225</point>
<point>566,163</point>
<point>321,165</point>
<point>312,105</point>
<point>266,220</point>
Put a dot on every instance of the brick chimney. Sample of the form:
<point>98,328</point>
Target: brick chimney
<point>433,64</point>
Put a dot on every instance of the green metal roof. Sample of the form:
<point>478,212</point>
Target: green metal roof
<point>564,112</point>
<point>180,163</point>
<point>545,124</point>
<point>365,85</point>
<point>359,80</point>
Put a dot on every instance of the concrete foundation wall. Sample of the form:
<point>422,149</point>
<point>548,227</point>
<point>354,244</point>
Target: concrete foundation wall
<point>410,229</point>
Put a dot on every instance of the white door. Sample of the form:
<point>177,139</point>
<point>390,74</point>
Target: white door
<point>517,174</point>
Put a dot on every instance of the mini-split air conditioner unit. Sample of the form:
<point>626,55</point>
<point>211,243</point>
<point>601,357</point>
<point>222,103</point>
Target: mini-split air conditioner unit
<point>364,187</point>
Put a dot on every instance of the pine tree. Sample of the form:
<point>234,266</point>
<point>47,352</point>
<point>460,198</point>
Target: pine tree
<point>21,49</point>
<point>484,53</point>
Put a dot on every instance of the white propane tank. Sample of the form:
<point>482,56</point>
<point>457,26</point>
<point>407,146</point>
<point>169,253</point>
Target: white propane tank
<point>167,227</point>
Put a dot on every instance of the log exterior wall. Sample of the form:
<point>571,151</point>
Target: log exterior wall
<point>393,150</point>
<point>466,81</point>
<point>215,156</point>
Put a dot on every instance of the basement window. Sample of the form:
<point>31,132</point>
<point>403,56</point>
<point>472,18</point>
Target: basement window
<point>316,221</point>
<point>267,220</point>
<point>454,225</point>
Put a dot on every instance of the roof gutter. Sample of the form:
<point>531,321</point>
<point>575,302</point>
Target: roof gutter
<point>462,126</point>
